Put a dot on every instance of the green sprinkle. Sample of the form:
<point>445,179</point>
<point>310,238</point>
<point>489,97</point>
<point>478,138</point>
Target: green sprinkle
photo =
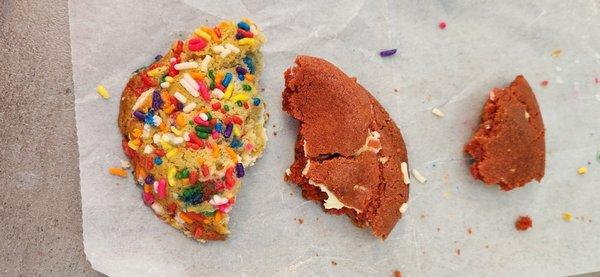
<point>246,87</point>
<point>212,84</point>
<point>202,135</point>
<point>226,107</point>
<point>192,195</point>
<point>191,122</point>
<point>203,129</point>
<point>239,103</point>
<point>209,115</point>
<point>211,74</point>
<point>178,175</point>
<point>209,214</point>
<point>185,173</point>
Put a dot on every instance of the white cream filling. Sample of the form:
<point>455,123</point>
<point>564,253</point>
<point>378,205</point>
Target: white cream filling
<point>332,202</point>
<point>373,136</point>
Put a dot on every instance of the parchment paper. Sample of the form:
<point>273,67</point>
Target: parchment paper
<point>486,44</point>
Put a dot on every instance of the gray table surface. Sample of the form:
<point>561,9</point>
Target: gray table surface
<point>40,201</point>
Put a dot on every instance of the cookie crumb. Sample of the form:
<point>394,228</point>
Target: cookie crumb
<point>544,83</point>
<point>567,216</point>
<point>274,133</point>
<point>397,273</point>
<point>458,251</point>
<point>333,263</point>
<point>523,223</point>
<point>556,53</point>
<point>300,221</point>
<point>395,90</point>
<point>469,231</point>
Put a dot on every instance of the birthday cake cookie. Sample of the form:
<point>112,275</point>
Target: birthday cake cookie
<point>193,122</point>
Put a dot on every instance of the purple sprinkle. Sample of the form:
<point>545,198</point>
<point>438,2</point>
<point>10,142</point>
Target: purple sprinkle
<point>179,106</point>
<point>157,101</point>
<point>149,179</point>
<point>139,115</point>
<point>386,53</point>
<point>228,130</point>
<point>240,70</point>
<point>239,170</point>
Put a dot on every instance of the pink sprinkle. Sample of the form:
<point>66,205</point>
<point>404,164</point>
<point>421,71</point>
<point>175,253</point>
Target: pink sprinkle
<point>544,83</point>
<point>148,198</point>
<point>597,80</point>
<point>442,25</point>
<point>196,44</point>
<point>203,90</point>
<point>162,188</point>
<point>214,134</point>
<point>249,146</point>
<point>199,121</point>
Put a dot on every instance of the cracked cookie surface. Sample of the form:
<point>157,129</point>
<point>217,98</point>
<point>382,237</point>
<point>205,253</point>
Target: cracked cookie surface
<point>509,146</point>
<point>348,152</point>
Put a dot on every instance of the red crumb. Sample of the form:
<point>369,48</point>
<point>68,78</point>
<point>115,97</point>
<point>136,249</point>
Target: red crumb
<point>397,273</point>
<point>442,25</point>
<point>300,220</point>
<point>333,263</point>
<point>523,223</point>
<point>544,83</point>
<point>596,80</point>
<point>469,231</point>
<point>458,251</point>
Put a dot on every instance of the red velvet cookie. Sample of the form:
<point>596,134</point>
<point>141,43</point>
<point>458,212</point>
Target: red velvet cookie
<point>349,153</point>
<point>509,147</point>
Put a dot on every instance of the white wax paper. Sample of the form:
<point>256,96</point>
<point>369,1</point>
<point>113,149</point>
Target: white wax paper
<point>486,44</point>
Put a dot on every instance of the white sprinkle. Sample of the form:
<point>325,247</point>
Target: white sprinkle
<point>157,120</point>
<point>383,160</point>
<point>125,164</point>
<point>403,208</point>
<point>558,69</point>
<point>418,176</point>
<point>188,78</point>
<point>155,185</point>
<point>225,53</point>
<point>204,64</point>
<point>186,136</point>
<point>492,95</point>
<point>158,209</point>
<point>148,149</point>
<point>146,132</point>
<point>142,99</point>
<point>165,85</point>
<point>218,48</point>
<point>527,115</point>
<point>288,172</point>
<point>217,93</point>
<point>217,200</point>
<point>177,140</point>
<point>232,48</point>
<point>156,138</point>
<point>180,97</point>
<point>404,168</point>
<point>559,80</point>
<point>167,137</point>
<point>189,107</point>
<point>189,87</point>
<point>186,65</point>
<point>179,219</point>
<point>437,112</point>
<point>253,29</point>
<point>172,60</point>
<point>203,116</point>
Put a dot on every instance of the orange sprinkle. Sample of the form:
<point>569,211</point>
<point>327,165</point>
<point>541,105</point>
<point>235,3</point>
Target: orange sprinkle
<point>180,120</point>
<point>169,109</point>
<point>216,152</point>
<point>249,77</point>
<point>117,171</point>
<point>200,160</point>
<point>136,133</point>
<point>140,172</point>
<point>147,188</point>
<point>163,127</point>
<point>219,77</point>
<point>218,217</point>
<point>186,218</point>
<point>197,76</point>
<point>223,25</point>
<point>231,154</point>
<point>211,32</point>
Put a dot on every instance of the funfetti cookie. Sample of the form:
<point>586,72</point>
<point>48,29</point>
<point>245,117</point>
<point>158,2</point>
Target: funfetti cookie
<point>509,147</point>
<point>193,122</point>
<point>349,156</point>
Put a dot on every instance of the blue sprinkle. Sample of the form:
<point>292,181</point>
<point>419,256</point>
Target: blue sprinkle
<point>157,161</point>
<point>149,118</point>
<point>158,57</point>
<point>249,63</point>
<point>227,79</point>
<point>244,26</point>
<point>139,115</point>
<point>239,170</point>
<point>235,143</point>
<point>256,101</point>
<point>219,127</point>
<point>241,77</point>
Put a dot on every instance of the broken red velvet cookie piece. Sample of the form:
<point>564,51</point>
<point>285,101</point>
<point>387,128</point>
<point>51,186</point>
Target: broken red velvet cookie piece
<point>509,147</point>
<point>349,153</point>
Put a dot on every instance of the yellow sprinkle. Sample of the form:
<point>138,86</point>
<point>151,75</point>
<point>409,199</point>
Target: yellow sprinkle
<point>136,133</point>
<point>582,170</point>
<point>165,145</point>
<point>175,131</point>
<point>211,32</point>
<point>171,153</point>
<point>215,151</point>
<point>157,72</point>
<point>248,20</point>
<point>556,53</point>
<point>169,79</point>
<point>133,145</point>
<point>171,176</point>
<point>102,91</point>
<point>246,41</point>
<point>236,131</point>
<point>200,160</point>
<point>567,216</point>
<point>231,153</point>
<point>240,97</point>
<point>228,91</point>
<point>202,34</point>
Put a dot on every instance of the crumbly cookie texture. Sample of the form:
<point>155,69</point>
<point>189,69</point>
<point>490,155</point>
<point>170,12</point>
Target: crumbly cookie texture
<point>349,153</point>
<point>192,122</point>
<point>509,147</point>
